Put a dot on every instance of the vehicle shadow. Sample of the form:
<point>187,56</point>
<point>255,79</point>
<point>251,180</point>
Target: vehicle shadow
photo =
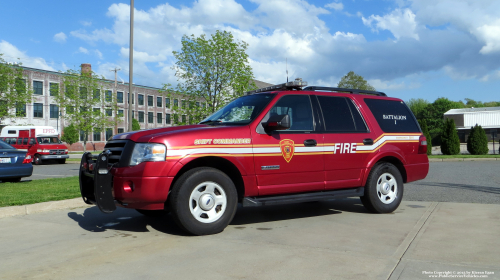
<point>93,220</point>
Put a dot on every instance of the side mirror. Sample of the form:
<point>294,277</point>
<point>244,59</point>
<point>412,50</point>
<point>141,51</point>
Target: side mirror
<point>277,122</point>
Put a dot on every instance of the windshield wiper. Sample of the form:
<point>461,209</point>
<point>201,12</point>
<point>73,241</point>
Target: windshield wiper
<point>210,122</point>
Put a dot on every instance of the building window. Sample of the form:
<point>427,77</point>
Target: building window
<point>109,112</point>
<point>21,85</point>
<point>83,93</point>
<point>150,100</point>
<point>175,118</point>
<point>203,105</point>
<point>150,117</point>
<point>183,118</point>
<point>133,114</point>
<point>119,97</point>
<point>197,104</point>
<point>140,99</point>
<point>128,97</point>
<point>183,104</point>
<point>37,87</point>
<point>54,111</point>
<point>109,133</point>
<point>141,116</point>
<point>176,103</point>
<point>21,110</point>
<point>167,102</point>
<point>96,111</point>
<point>121,130</point>
<point>97,134</point>
<point>167,118</point>
<point>54,89</point>
<point>120,113</point>
<point>159,118</point>
<point>37,110</point>
<point>97,94</point>
<point>158,102</point>
<point>108,96</point>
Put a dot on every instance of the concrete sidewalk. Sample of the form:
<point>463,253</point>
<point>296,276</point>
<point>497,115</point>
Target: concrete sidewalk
<point>324,240</point>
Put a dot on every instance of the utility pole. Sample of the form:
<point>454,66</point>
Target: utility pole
<point>114,101</point>
<point>131,65</point>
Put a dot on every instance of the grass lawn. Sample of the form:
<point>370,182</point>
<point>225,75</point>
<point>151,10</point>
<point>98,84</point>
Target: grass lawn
<point>36,191</point>
<point>465,156</point>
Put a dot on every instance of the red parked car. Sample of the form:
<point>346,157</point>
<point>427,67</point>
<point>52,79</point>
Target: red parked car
<point>277,145</point>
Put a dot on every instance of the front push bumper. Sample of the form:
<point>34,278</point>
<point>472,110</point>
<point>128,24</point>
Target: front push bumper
<point>96,181</point>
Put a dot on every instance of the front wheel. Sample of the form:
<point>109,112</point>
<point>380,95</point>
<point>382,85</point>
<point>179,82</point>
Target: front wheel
<point>383,189</point>
<point>203,201</point>
<point>61,161</point>
<point>37,160</point>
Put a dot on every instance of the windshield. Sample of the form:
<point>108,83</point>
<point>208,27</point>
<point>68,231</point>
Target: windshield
<point>48,140</point>
<point>4,145</point>
<point>240,111</point>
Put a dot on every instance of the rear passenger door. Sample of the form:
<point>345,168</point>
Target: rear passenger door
<point>344,131</point>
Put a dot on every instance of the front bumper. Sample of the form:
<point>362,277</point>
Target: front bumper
<point>54,156</point>
<point>107,186</point>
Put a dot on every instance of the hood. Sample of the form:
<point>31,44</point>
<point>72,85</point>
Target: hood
<point>147,134</point>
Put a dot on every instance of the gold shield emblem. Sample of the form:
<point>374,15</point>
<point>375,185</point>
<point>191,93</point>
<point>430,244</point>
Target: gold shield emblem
<point>287,149</point>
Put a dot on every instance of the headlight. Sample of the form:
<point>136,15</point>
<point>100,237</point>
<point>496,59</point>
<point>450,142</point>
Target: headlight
<point>148,152</point>
<point>45,151</point>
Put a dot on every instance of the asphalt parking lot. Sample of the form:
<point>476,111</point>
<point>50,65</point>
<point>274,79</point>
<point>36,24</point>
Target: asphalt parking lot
<point>322,240</point>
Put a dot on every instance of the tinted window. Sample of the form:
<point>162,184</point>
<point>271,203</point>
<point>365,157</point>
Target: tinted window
<point>4,145</point>
<point>392,116</point>
<point>298,107</point>
<point>340,114</point>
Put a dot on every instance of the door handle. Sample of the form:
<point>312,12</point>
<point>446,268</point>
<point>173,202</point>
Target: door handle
<point>310,143</point>
<point>368,141</point>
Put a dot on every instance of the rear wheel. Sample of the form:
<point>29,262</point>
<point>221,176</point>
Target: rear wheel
<point>37,160</point>
<point>203,201</point>
<point>383,189</point>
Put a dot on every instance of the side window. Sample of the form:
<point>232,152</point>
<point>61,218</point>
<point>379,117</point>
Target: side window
<point>392,115</point>
<point>19,141</point>
<point>340,115</point>
<point>25,141</point>
<point>298,107</point>
<point>32,141</point>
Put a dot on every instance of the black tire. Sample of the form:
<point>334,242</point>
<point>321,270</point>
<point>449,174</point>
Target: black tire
<point>37,160</point>
<point>152,213</point>
<point>61,161</point>
<point>12,180</point>
<point>217,193</point>
<point>384,189</point>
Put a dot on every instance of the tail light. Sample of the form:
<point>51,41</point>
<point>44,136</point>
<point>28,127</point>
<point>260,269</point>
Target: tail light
<point>27,159</point>
<point>422,145</point>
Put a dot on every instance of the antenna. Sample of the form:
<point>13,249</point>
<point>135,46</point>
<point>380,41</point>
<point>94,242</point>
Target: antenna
<point>286,61</point>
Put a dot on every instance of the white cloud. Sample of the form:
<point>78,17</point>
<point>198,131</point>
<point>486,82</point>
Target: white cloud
<point>98,53</point>
<point>60,37</point>
<point>388,85</point>
<point>86,23</point>
<point>401,23</point>
<point>12,54</point>
<point>83,50</point>
<point>335,6</point>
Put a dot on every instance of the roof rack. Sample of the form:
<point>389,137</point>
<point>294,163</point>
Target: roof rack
<point>297,85</point>
<point>357,91</point>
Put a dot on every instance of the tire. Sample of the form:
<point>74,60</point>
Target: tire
<point>203,201</point>
<point>152,213</point>
<point>61,161</point>
<point>37,160</point>
<point>384,189</point>
<point>12,180</point>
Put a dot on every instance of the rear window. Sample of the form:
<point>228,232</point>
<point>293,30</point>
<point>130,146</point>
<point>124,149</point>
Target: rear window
<point>392,116</point>
<point>340,115</point>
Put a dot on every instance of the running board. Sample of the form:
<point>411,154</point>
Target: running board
<point>302,197</point>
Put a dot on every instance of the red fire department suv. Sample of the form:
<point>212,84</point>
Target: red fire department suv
<point>282,144</point>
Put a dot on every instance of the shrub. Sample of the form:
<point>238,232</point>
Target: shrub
<point>477,143</point>
<point>135,125</point>
<point>70,135</point>
<point>450,143</point>
<point>427,134</point>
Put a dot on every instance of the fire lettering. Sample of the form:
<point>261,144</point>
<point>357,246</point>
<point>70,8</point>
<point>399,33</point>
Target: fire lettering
<point>345,148</point>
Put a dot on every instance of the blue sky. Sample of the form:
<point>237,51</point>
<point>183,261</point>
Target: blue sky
<point>406,48</point>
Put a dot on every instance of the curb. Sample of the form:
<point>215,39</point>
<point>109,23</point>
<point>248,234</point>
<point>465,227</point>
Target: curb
<point>21,210</point>
<point>462,159</point>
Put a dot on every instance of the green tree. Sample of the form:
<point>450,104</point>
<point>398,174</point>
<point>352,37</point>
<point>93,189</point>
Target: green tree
<point>434,116</point>
<point>425,131</point>
<point>477,143</point>
<point>135,125</point>
<point>211,71</point>
<point>354,81</point>
<point>14,92</point>
<point>450,143</point>
<point>70,135</point>
<point>418,107</point>
<point>81,101</point>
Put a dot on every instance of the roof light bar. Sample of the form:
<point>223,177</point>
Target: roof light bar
<point>297,84</point>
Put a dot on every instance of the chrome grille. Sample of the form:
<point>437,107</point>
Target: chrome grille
<point>56,152</point>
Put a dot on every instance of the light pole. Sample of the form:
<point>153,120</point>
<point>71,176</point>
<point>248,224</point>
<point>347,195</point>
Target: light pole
<point>131,65</point>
